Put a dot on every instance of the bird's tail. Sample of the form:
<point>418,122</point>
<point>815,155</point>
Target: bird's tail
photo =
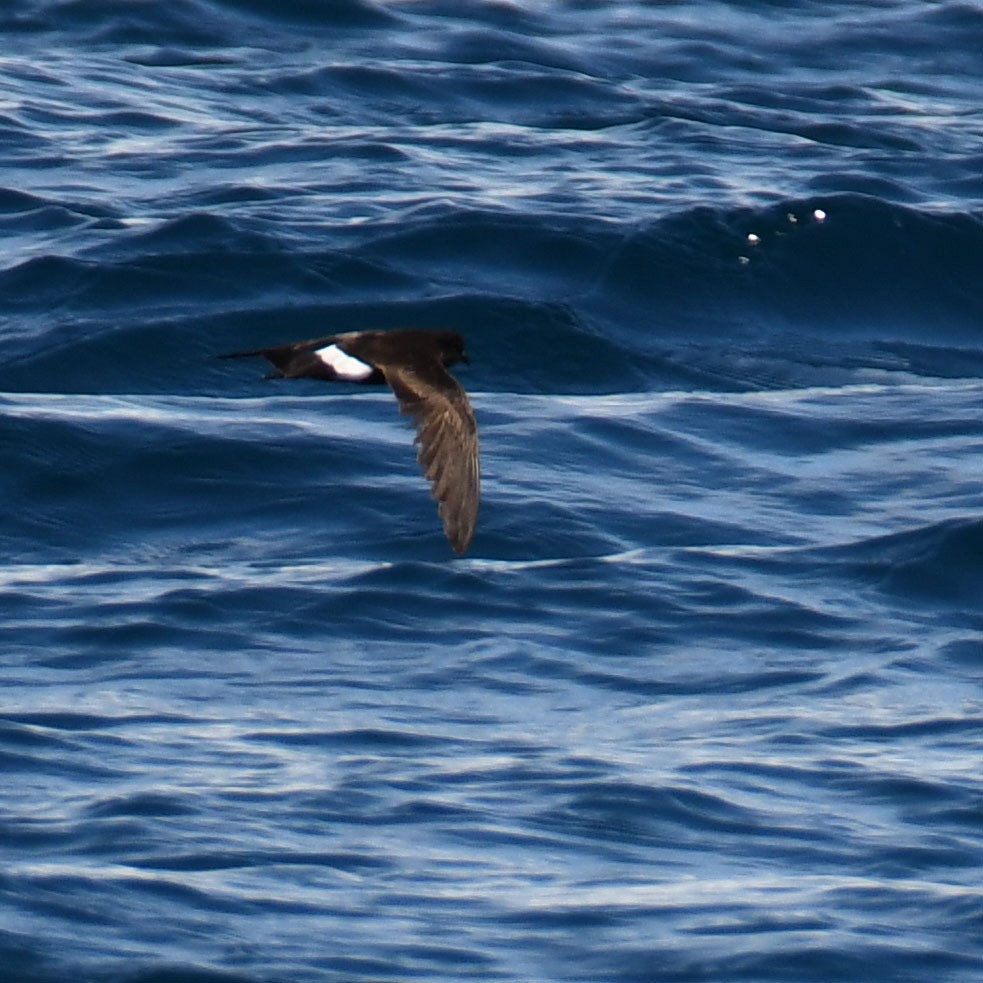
<point>244,354</point>
<point>273,355</point>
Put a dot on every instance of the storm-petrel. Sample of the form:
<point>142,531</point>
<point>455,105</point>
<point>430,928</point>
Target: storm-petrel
<point>414,363</point>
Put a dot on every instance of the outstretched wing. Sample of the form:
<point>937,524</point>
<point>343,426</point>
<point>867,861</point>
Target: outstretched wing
<point>448,439</point>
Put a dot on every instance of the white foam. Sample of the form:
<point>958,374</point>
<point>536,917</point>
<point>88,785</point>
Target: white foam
<point>344,366</point>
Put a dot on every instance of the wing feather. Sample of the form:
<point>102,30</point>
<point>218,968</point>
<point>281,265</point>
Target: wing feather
<point>447,436</point>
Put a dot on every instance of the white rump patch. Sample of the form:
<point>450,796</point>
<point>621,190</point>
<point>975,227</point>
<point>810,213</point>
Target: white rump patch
<point>343,365</point>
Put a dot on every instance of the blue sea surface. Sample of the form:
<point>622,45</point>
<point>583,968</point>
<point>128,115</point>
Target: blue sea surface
<point>703,703</point>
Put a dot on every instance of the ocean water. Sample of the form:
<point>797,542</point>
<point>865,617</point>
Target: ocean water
<point>702,702</point>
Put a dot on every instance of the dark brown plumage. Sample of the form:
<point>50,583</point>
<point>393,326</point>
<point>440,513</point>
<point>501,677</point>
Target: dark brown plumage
<point>414,363</point>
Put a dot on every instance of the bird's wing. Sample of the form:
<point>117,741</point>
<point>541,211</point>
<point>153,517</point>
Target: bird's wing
<point>448,438</point>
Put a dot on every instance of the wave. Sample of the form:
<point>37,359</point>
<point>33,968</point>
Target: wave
<point>721,613</point>
<point>804,293</point>
<point>940,563</point>
<point>187,22</point>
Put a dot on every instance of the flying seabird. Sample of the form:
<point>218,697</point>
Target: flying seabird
<point>414,364</point>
